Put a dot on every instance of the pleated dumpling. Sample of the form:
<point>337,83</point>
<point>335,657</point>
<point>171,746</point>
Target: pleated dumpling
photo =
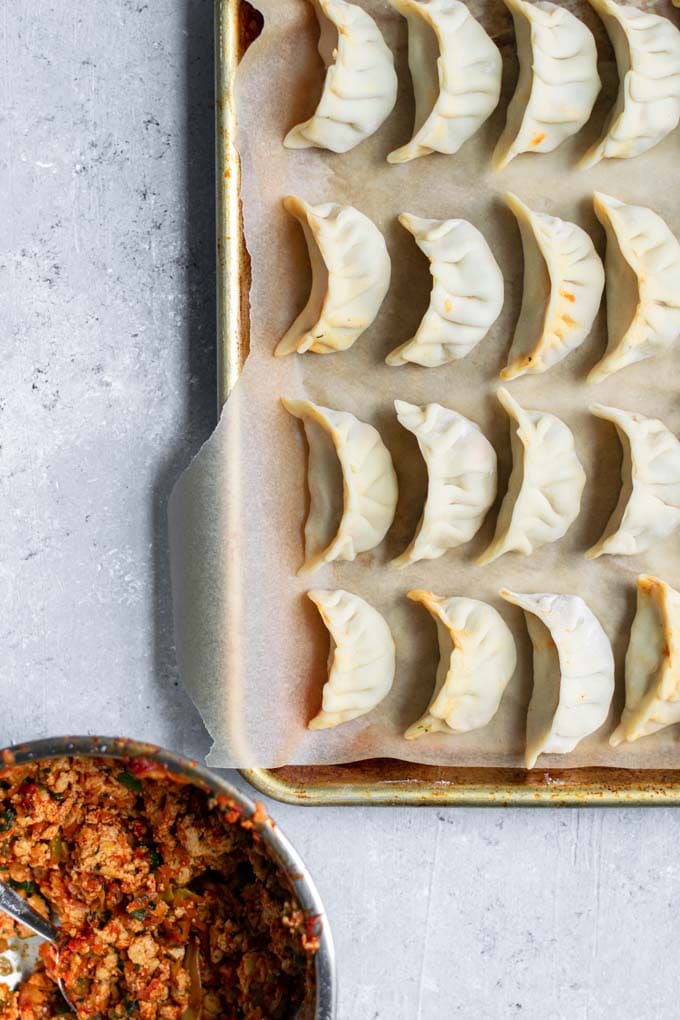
<point>461,471</point>
<point>563,284</point>
<point>558,80</point>
<point>360,88</point>
<point>648,509</point>
<point>361,661</point>
<point>350,277</point>
<point>643,285</point>
<point>647,108</point>
<point>467,292</point>
<point>652,663</point>
<point>477,657</point>
<point>544,492</point>
<point>456,71</point>
<point>352,485</point>
<point>573,672</point>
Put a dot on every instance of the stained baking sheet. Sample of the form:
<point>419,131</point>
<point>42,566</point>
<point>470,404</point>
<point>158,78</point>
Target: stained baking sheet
<point>251,649</point>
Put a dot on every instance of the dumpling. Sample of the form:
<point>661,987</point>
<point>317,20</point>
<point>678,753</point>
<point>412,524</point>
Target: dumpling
<point>467,292</point>
<point>648,509</point>
<point>350,277</point>
<point>647,108</point>
<point>352,485</point>
<point>477,658</point>
<point>652,663</point>
<point>360,89</point>
<point>563,284</point>
<point>643,285</point>
<point>558,80</point>
<point>544,492</point>
<point>361,661</point>
<point>573,672</point>
<point>456,71</point>
<point>461,470</point>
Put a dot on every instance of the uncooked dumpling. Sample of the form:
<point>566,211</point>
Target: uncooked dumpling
<point>352,485</point>
<point>544,492</point>
<point>647,108</point>
<point>648,509</point>
<point>477,658</point>
<point>361,661</point>
<point>350,278</point>
<point>558,80</point>
<point>563,284</point>
<point>360,89</point>
<point>461,470</point>
<point>456,71</point>
<point>652,663</point>
<point>643,285</point>
<point>573,672</point>
<point>466,297</point>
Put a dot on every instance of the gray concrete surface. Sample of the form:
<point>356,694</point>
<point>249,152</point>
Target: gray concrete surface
<point>106,389</point>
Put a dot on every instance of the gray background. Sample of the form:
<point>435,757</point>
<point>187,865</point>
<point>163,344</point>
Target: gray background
<point>107,383</point>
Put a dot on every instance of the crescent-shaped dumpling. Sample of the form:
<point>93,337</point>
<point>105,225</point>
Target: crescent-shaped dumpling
<point>477,658</point>
<point>466,297</point>
<point>563,284</point>
<point>456,71</point>
<point>461,470</point>
<point>648,509</point>
<point>573,672</point>
<point>547,480</point>
<point>350,278</point>
<point>643,285</point>
<point>647,108</point>
<point>558,80</point>
<point>352,485</point>
<point>361,661</point>
<point>652,663</point>
<point>360,88</point>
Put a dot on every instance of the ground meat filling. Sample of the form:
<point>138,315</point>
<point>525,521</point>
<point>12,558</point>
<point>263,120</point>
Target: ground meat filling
<point>169,907</point>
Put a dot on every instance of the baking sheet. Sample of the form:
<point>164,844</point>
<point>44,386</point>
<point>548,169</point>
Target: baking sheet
<point>250,646</point>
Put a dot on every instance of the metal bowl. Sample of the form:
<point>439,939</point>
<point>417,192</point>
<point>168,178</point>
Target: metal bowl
<point>281,851</point>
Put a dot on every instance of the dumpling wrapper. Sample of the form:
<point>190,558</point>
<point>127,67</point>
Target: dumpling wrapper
<point>652,663</point>
<point>360,88</point>
<point>462,477</point>
<point>361,661</point>
<point>352,485</point>
<point>573,672</point>
<point>647,108</point>
<point>456,71</point>
<point>558,80</point>
<point>477,657</point>
<point>467,292</point>
<point>648,509</point>
<point>563,285</point>
<point>351,272</point>
<point>643,285</point>
<point>547,480</point>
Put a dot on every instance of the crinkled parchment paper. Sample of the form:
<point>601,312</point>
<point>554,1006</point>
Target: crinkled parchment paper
<point>251,647</point>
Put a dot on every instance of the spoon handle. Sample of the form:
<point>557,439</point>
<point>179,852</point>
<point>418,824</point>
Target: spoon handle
<point>16,906</point>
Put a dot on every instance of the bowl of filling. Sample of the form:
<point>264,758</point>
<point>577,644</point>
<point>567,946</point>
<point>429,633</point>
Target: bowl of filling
<point>173,896</point>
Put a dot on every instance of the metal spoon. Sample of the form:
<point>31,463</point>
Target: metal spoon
<point>20,910</point>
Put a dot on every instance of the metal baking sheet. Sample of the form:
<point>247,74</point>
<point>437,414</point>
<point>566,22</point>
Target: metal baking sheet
<point>377,781</point>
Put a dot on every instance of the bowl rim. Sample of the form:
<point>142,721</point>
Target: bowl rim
<point>281,849</point>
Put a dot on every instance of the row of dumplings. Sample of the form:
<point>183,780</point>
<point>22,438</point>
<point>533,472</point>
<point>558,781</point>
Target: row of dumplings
<point>543,498</point>
<point>457,69</point>
<point>563,286</point>
<point>573,681</point>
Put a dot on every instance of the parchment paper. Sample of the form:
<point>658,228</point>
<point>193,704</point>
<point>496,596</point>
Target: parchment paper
<point>251,647</point>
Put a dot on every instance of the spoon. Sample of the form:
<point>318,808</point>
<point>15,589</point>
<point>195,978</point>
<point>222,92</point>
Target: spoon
<point>16,907</point>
